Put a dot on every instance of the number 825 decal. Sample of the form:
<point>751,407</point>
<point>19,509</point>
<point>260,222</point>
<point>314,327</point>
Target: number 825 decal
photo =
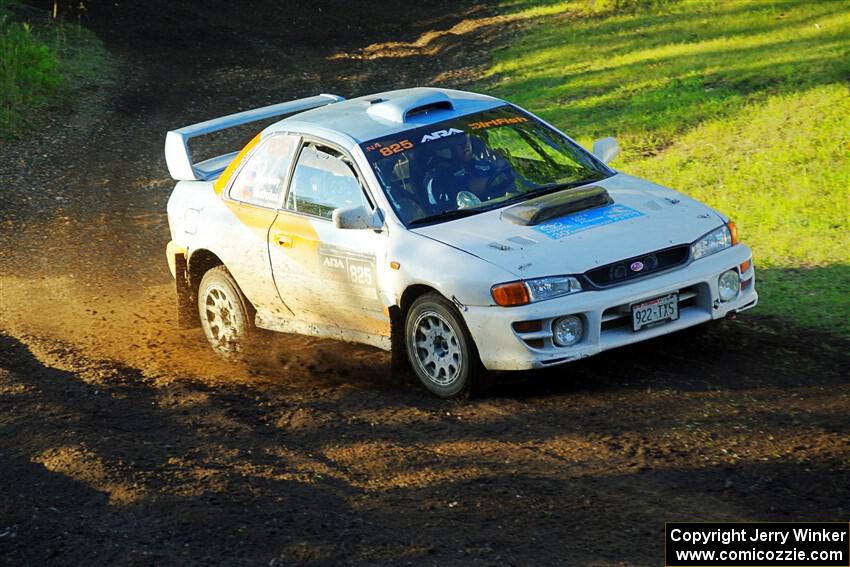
<point>396,148</point>
<point>360,274</point>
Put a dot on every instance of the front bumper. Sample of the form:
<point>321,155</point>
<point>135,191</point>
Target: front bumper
<point>606,314</point>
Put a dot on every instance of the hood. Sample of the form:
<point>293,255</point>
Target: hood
<point>643,218</point>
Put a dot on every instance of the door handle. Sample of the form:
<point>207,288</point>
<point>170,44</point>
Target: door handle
<point>283,240</point>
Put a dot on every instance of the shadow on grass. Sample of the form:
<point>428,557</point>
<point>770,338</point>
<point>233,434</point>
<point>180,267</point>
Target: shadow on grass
<point>678,69</point>
<point>817,298</point>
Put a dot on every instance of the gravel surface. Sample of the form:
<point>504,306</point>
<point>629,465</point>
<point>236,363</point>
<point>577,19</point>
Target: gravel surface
<point>124,441</point>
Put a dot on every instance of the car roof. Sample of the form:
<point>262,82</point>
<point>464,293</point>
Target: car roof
<point>374,116</point>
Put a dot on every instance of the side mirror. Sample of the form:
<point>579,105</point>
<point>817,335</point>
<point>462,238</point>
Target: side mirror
<point>606,149</point>
<point>357,217</point>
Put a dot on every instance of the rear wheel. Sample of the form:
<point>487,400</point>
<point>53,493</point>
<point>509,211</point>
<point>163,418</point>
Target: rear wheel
<point>440,348</point>
<point>225,314</point>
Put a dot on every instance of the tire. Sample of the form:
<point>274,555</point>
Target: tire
<point>440,349</point>
<point>226,316</point>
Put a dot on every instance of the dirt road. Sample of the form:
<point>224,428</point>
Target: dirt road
<point>125,442</point>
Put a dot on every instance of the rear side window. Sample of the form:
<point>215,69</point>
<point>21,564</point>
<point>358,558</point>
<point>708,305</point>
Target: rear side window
<point>324,180</point>
<point>261,179</point>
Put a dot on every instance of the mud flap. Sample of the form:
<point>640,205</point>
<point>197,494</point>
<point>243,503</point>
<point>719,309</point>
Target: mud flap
<point>187,309</point>
<point>399,363</point>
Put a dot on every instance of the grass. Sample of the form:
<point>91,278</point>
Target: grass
<point>29,74</point>
<point>40,63</point>
<point>741,104</point>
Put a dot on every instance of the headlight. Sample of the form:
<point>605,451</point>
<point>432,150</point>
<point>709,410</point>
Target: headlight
<point>715,241</point>
<point>529,291</point>
<point>556,286</point>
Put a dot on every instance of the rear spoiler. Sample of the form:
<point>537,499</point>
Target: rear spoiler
<point>179,158</point>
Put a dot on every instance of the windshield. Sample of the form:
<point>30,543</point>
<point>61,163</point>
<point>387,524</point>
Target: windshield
<point>475,163</point>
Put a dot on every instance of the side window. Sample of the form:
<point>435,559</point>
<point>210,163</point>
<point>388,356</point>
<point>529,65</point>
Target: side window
<point>324,180</point>
<point>260,181</point>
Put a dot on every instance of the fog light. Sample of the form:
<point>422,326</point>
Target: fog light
<point>567,331</point>
<point>729,285</point>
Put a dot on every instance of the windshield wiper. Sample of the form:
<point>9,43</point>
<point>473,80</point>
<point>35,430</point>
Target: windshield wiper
<point>541,190</point>
<point>446,215</point>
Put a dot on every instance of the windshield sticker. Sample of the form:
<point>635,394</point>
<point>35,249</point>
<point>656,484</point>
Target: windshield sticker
<point>440,134</point>
<point>390,149</point>
<point>498,122</point>
<point>565,226</point>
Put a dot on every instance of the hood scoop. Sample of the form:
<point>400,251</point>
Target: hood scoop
<point>540,209</point>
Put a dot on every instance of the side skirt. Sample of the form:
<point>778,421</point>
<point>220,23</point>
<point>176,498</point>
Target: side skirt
<point>294,326</point>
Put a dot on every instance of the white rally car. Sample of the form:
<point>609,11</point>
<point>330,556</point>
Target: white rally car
<point>455,227</point>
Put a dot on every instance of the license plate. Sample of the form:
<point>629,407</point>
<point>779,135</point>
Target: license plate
<point>655,311</point>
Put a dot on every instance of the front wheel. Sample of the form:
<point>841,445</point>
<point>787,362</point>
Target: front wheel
<point>225,313</point>
<point>440,348</point>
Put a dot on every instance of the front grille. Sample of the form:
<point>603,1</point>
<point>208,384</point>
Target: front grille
<point>638,267</point>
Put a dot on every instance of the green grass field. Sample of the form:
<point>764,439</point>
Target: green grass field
<point>741,104</point>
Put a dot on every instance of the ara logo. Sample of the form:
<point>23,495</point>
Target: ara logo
<point>440,134</point>
<point>334,263</point>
